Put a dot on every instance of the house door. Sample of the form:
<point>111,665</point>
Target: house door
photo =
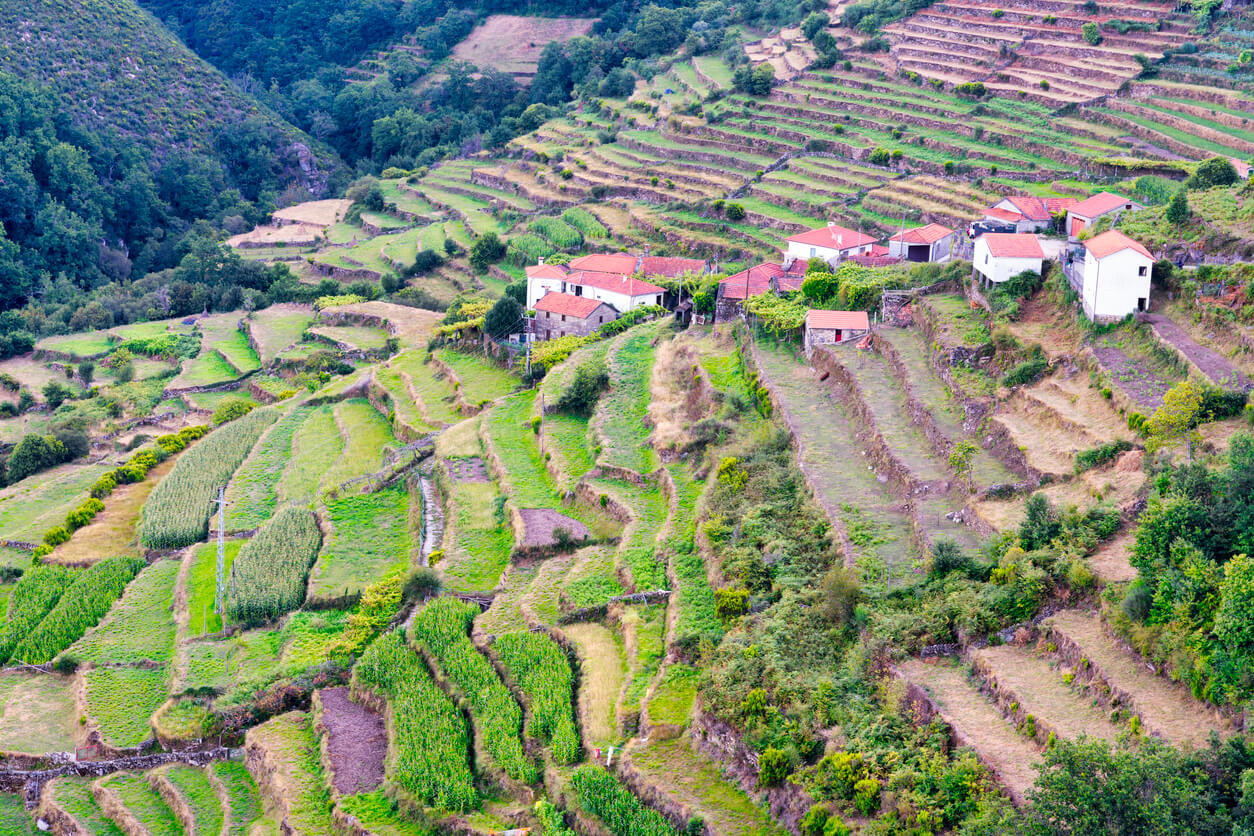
<point>838,333</point>
<point>1140,303</point>
<point>1077,226</point>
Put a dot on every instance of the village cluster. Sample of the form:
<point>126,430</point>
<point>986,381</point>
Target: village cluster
<point>1110,272</point>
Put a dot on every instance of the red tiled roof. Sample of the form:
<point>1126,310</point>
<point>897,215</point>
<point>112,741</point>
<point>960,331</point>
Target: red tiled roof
<point>842,320</point>
<point>878,249</point>
<point>545,271</point>
<point>657,265</point>
<point>875,260</point>
<point>1100,204</point>
<point>605,263</point>
<point>580,307</point>
<point>1003,215</point>
<point>833,237</point>
<point>929,234</point>
<point>1013,245</point>
<point>788,282</point>
<point>1113,241</point>
<point>614,282</point>
<point>1242,167</point>
<point>1039,209</point>
<point>757,279</point>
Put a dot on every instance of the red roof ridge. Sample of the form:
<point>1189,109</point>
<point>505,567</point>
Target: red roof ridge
<point>565,303</point>
<point>1112,241</point>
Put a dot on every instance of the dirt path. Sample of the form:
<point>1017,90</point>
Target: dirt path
<point>356,742</point>
<point>1212,364</point>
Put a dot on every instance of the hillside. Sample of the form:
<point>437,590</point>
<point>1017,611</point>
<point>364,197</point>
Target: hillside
<point>118,70</point>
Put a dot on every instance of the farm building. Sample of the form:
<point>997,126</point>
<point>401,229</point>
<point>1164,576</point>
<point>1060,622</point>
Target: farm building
<point>831,327</point>
<point>831,243</point>
<point>925,243</point>
<point>759,279</point>
<point>1028,213</point>
<point>1002,255</point>
<point>1082,216</point>
<point>560,315</point>
<point>621,290</point>
<point>1113,280</point>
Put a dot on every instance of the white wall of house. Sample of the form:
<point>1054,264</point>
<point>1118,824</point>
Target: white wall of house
<point>998,270</point>
<point>536,288</point>
<point>805,252</point>
<point>1116,285</point>
<point>621,301</point>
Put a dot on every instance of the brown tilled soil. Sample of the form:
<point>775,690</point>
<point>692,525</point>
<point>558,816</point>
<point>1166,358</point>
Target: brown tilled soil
<point>539,525</point>
<point>470,469</point>
<point>356,742</point>
<point>1214,365</point>
<point>1138,383</point>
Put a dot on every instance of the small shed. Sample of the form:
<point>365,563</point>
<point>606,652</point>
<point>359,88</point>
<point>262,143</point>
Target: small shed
<point>831,327</point>
<point>932,242</point>
<point>1084,214</point>
<point>1000,256</point>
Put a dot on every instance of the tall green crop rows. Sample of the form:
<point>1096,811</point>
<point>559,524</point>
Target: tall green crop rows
<point>429,735</point>
<point>34,596</point>
<point>177,512</point>
<point>268,576</point>
<point>84,603</point>
<point>541,669</point>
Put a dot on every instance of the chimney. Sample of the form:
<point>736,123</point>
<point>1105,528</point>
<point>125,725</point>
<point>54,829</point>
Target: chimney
<point>541,261</point>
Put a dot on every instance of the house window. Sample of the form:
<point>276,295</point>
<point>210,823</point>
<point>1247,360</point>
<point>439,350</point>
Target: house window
<point>657,300</point>
<point>579,290</point>
<point>813,252</point>
<point>600,319</point>
<point>986,258</point>
<point>1142,270</point>
<point>563,317</point>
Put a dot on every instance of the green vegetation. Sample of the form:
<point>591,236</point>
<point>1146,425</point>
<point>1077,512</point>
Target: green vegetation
<point>34,596</point>
<point>193,785</point>
<point>481,381</point>
<point>140,627</point>
<point>253,492</point>
<point>74,795</point>
<point>243,800</point>
<point>370,535</point>
<point>442,626</point>
<point>542,671</point>
<point>202,586</point>
<point>177,512</point>
<point>622,413</point>
<point>429,737</point>
<point>316,447</point>
<point>601,795</point>
<point>292,739</point>
<point>120,701</point>
<point>268,576</point>
<point>85,601</point>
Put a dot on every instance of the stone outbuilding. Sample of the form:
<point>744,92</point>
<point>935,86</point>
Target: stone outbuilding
<point>563,315</point>
<point>832,327</point>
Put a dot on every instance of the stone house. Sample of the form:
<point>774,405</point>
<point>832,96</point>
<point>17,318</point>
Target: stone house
<point>832,327</point>
<point>925,243</point>
<point>562,315</point>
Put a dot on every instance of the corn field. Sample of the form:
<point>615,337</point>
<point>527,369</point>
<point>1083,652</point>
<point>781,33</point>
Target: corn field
<point>177,512</point>
<point>34,596</point>
<point>430,742</point>
<point>560,235</point>
<point>87,600</point>
<point>541,669</point>
<point>443,626</point>
<point>269,574</point>
<point>601,794</point>
<point>585,222</point>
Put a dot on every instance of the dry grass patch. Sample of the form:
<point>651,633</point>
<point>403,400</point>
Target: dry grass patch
<point>113,530</point>
<point>604,667</point>
<point>513,43</point>
<point>319,212</point>
<point>37,713</point>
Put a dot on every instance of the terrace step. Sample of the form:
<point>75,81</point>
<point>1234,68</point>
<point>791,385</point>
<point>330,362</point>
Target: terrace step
<point>1009,756</point>
<point>1165,708</point>
<point>191,796</point>
<point>1026,685</point>
<point>134,806</point>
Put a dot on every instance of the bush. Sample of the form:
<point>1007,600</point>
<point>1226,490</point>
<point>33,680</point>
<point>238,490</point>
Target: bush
<point>83,514</point>
<point>487,250</point>
<point>1029,371</point>
<point>773,767</point>
<point>1099,455</point>
<point>56,535</point>
<point>580,397</point>
<point>735,212</point>
<point>866,796</point>
<point>814,821</point>
<point>230,409</point>
<point>1091,33</point>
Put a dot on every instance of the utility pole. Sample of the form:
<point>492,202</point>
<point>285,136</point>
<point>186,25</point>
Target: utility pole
<point>219,589</point>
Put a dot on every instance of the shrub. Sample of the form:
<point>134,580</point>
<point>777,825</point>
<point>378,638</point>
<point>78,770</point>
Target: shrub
<point>269,575</point>
<point>814,821</point>
<point>230,409</point>
<point>866,796</point>
<point>735,212</point>
<point>879,156</point>
<point>580,397</point>
<point>56,535</point>
<point>104,486</point>
<point>84,513</point>
<point>773,767</point>
<point>1029,371</point>
<point>1099,455</point>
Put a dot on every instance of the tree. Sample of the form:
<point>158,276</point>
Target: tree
<point>1176,418</point>
<point>1217,171</point>
<point>487,249</point>
<point>819,286</point>
<point>86,371</point>
<point>1178,210</point>
<point>813,24</point>
<point>32,454</point>
<point>504,319</point>
<point>735,212</point>
<point>581,396</point>
<point>1234,621</point>
<point>960,458</point>
<point>1040,523</point>
<point>56,393</point>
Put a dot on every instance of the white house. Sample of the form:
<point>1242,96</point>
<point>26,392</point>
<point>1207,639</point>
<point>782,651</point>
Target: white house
<point>1002,255</point>
<point>831,243</point>
<point>1081,216</point>
<point>1116,277</point>
<point>621,291</point>
<point>543,278</point>
<point>925,243</point>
